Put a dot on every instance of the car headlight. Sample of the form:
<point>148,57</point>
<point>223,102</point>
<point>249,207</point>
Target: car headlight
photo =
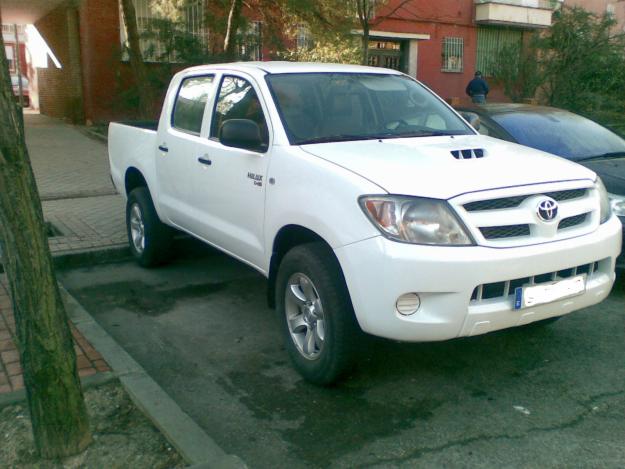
<point>605,210</point>
<point>415,220</point>
<point>617,204</point>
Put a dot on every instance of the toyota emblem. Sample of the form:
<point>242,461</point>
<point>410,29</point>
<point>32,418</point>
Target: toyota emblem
<point>547,209</point>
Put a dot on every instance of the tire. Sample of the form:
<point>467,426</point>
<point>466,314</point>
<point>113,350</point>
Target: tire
<point>148,237</point>
<point>316,315</point>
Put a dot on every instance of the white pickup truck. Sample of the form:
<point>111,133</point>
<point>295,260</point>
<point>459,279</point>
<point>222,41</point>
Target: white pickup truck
<point>368,203</point>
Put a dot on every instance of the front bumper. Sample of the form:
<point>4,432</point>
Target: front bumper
<point>620,260</point>
<point>378,271</point>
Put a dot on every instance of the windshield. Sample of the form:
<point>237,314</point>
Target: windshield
<point>561,133</point>
<point>327,107</point>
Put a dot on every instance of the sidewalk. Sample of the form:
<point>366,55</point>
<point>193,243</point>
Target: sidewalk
<point>86,215</point>
<point>77,195</point>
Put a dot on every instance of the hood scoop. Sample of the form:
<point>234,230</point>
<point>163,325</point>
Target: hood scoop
<point>468,154</point>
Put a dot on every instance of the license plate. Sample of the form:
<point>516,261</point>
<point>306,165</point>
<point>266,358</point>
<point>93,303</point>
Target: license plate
<point>533,295</point>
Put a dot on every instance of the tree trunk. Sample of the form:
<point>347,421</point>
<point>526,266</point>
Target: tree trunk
<point>234,19</point>
<point>57,409</point>
<point>139,69</point>
<point>363,9</point>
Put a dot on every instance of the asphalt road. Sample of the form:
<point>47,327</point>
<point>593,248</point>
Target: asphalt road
<point>551,396</point>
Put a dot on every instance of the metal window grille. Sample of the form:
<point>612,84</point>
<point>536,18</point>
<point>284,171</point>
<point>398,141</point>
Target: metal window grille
<point>9,29</point>
<point>9,51</point>
<point>304,38</point>
<point>250,46</point>
<point>490,42</point>
<point>453,54</point>
<point>154,45</point>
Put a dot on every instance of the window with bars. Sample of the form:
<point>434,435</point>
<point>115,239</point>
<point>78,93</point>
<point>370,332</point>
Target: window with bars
<point>304,37</point>
<point>250,45</point>
<point>10,55</point>
<point>157,32</point>
<point>490,42</point>
<point>453,54</point>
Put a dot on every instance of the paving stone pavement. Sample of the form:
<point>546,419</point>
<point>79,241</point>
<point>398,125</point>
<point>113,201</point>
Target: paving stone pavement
<point>78,198</point>
<point>88,360</point>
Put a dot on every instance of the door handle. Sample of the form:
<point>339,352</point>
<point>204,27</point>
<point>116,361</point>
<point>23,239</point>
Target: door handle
<point>205,160</point>
<point>163,148</point>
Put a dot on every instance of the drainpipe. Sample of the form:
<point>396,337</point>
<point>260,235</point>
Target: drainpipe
<point>76,109</point>
<point>18,65</point>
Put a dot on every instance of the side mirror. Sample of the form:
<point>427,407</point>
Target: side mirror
<point>472,118</point>
<point>241,133</point>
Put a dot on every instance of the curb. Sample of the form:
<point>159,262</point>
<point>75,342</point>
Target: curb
<point>91,133</point>
<point>194,445</point>
<point>89,257</point>
<point>87,382</point>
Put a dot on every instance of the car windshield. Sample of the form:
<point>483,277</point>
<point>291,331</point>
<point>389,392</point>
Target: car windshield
<point>331,107</point>
<point>561,133</point>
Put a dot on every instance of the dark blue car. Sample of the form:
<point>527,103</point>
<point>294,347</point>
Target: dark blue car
<point>564,134</point>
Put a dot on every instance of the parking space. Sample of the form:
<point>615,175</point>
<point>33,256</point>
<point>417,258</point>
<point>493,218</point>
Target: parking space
<point>531,397</point>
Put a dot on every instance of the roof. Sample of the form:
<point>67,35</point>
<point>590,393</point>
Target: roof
<point>492,109</point>
<point>295,67</point>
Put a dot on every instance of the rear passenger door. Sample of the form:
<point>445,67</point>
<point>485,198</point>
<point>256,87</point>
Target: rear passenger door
<point>179,138</point>
<point>231,187</point>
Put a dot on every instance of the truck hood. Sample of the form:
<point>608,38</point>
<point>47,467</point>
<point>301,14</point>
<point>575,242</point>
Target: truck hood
<point>426,167</point>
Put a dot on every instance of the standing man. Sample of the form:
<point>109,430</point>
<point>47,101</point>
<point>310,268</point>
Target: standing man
<point>478,89</point>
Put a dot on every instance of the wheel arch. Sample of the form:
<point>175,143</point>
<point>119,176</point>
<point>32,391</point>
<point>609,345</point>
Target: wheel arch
<point>133,179</point>
<point>288,237</point>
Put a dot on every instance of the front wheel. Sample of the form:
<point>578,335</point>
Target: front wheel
<point>318,322</point>
<point>149,238</point>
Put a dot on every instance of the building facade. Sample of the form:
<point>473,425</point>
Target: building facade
<point>12,48</point>
<point>441,43</point>
<point>615,8</point>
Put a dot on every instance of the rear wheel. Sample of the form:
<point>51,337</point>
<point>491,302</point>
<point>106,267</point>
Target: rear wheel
<point>149,238</point>
<point>318,322</point>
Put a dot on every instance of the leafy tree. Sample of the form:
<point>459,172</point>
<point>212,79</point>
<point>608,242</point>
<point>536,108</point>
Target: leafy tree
<point>143,85</point>
<point>578,64</point>
<point>516,68</point>
<point>55,400</point>
<point>582,62</point>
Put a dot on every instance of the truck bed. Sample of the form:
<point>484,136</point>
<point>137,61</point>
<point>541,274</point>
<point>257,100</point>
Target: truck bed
<point>131,145</point>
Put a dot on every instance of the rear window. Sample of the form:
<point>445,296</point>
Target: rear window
<point>561,133</point>
<point>190,103</point>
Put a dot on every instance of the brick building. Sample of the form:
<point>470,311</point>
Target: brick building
<point>616,8</point>
<point>11,48</point>
<point>442,43</point>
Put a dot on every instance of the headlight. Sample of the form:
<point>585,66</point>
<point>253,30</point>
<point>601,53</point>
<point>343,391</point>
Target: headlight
<point>415,220</point>
<point>617,204</point>
<point>605,211</point>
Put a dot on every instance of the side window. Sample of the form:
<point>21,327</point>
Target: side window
<point>238,100</point>
<point>190,103</point>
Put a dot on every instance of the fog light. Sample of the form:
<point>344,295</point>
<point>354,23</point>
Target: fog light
<point>408,304</point>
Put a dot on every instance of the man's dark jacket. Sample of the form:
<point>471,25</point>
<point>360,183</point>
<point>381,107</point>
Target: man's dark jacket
<point>477,86</point>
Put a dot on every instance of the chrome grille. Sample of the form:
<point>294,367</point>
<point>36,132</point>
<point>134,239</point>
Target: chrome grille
<point>511,202</point>
<point>509,217</point>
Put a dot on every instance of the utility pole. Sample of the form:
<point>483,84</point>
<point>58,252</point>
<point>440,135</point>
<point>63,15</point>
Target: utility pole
<point>18,65</point>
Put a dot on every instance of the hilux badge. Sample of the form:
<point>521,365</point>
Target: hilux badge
<point>547,209</point>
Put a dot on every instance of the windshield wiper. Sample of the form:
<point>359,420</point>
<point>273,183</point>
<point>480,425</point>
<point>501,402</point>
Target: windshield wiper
<point>604,156</point>
<point>337,138</point>
<point>432,133</point>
